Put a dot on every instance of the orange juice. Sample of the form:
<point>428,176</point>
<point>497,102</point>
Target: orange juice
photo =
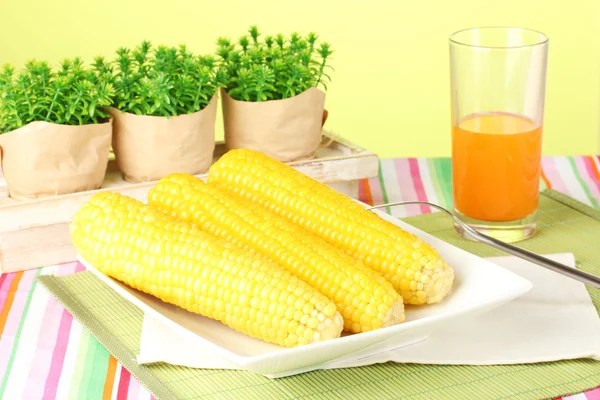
<point>496,166</point>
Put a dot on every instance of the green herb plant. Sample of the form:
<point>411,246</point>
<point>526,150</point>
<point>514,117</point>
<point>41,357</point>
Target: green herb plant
<point>168,81</point>
<point>275,68</point>
<point>70,95</point>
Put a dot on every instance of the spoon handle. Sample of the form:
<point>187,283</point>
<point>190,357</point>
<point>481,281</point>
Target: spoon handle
<point>534,258</point>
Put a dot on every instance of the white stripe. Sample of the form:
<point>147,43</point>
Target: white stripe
<point>144,394</point>
<point>27,343</point>
<point>84,353</point>
<point>65,381</point>
<point>134,388</point>
<point>390,180</point>
<point>115,389</point>
<point>579,396</point>
<point>427,183</point>
<point>564,169</point>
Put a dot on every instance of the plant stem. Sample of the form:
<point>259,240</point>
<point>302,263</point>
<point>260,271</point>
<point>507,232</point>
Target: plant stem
<point>52,104</point>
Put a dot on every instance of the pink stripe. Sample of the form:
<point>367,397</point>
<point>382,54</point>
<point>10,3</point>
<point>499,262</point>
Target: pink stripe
<point>361,190</point>
<point>123,388</point>
<point>415,172</point>
<point>407,190</point>
<point>376,192</point>
<point>79,267</point>
<point>15,313</point>
<point>58,356</point>
<point>553,175</point>
<point>46,344</point>
<point>134,389</point>
<point>5,287</point>
<point>593,183</point>
<point>67,268</point>
<point>3,278</point>
<point>14,317</point>
<point>62,340</point>
<point>593,394</point>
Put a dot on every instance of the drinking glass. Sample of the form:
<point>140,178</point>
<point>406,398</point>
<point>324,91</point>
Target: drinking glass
<point>498,83</point>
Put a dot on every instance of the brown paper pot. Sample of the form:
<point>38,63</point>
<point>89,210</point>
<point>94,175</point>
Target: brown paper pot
<point>148,148</point>
<point>288,129</point>
<point>44,159</point>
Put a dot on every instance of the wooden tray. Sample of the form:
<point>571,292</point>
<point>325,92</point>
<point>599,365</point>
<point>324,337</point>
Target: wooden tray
<point>35,233</point>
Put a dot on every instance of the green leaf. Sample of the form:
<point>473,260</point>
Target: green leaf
<point>274,68</point>
<point>91,109</point>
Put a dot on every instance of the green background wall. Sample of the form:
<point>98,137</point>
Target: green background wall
<point>390,90</point>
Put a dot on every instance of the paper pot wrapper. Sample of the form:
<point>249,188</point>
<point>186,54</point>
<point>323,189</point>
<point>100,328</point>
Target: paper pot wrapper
<point>148,148</point>
<point>44,159</point>
<point>287,130</point>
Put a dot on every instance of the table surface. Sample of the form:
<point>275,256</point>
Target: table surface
<point>45,354</point>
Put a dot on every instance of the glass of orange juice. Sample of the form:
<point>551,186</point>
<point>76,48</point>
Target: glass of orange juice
<point>498,82</point>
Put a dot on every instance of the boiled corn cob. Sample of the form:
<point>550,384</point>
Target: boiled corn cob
<point>365,299</point>
<point>414,268</point>
<point>151,252</point>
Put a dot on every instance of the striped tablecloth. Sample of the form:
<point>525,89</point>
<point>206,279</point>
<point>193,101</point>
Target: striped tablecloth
<point>45,354</point>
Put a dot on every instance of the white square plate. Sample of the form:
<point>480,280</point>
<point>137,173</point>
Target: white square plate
<point>479,286</point>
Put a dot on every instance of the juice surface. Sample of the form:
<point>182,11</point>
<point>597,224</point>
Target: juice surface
<point>496,166</point>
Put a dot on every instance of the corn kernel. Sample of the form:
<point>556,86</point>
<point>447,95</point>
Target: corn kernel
<point>252,227</point>
<point>345,224</point>
<point>151,252</point>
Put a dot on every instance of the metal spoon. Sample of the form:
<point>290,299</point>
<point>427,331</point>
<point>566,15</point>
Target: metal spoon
<point>572,273</point>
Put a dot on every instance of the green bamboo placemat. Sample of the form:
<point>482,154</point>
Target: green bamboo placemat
<point>565,226</point>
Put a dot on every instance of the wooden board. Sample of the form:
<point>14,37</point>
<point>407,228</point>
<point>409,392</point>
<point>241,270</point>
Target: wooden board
<point>35,233</point>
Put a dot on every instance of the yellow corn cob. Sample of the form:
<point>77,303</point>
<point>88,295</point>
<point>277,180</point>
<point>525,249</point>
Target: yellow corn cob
<point>365,299</point>
<point>414,268</point>
<point>179,264</point>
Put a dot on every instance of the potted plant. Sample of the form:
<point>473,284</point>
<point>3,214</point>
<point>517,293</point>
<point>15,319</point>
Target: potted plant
<point>272,101</point>
<point>54,136</point>
<point>164,110</point>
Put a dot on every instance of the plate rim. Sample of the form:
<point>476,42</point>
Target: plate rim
<point>519,287</point>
